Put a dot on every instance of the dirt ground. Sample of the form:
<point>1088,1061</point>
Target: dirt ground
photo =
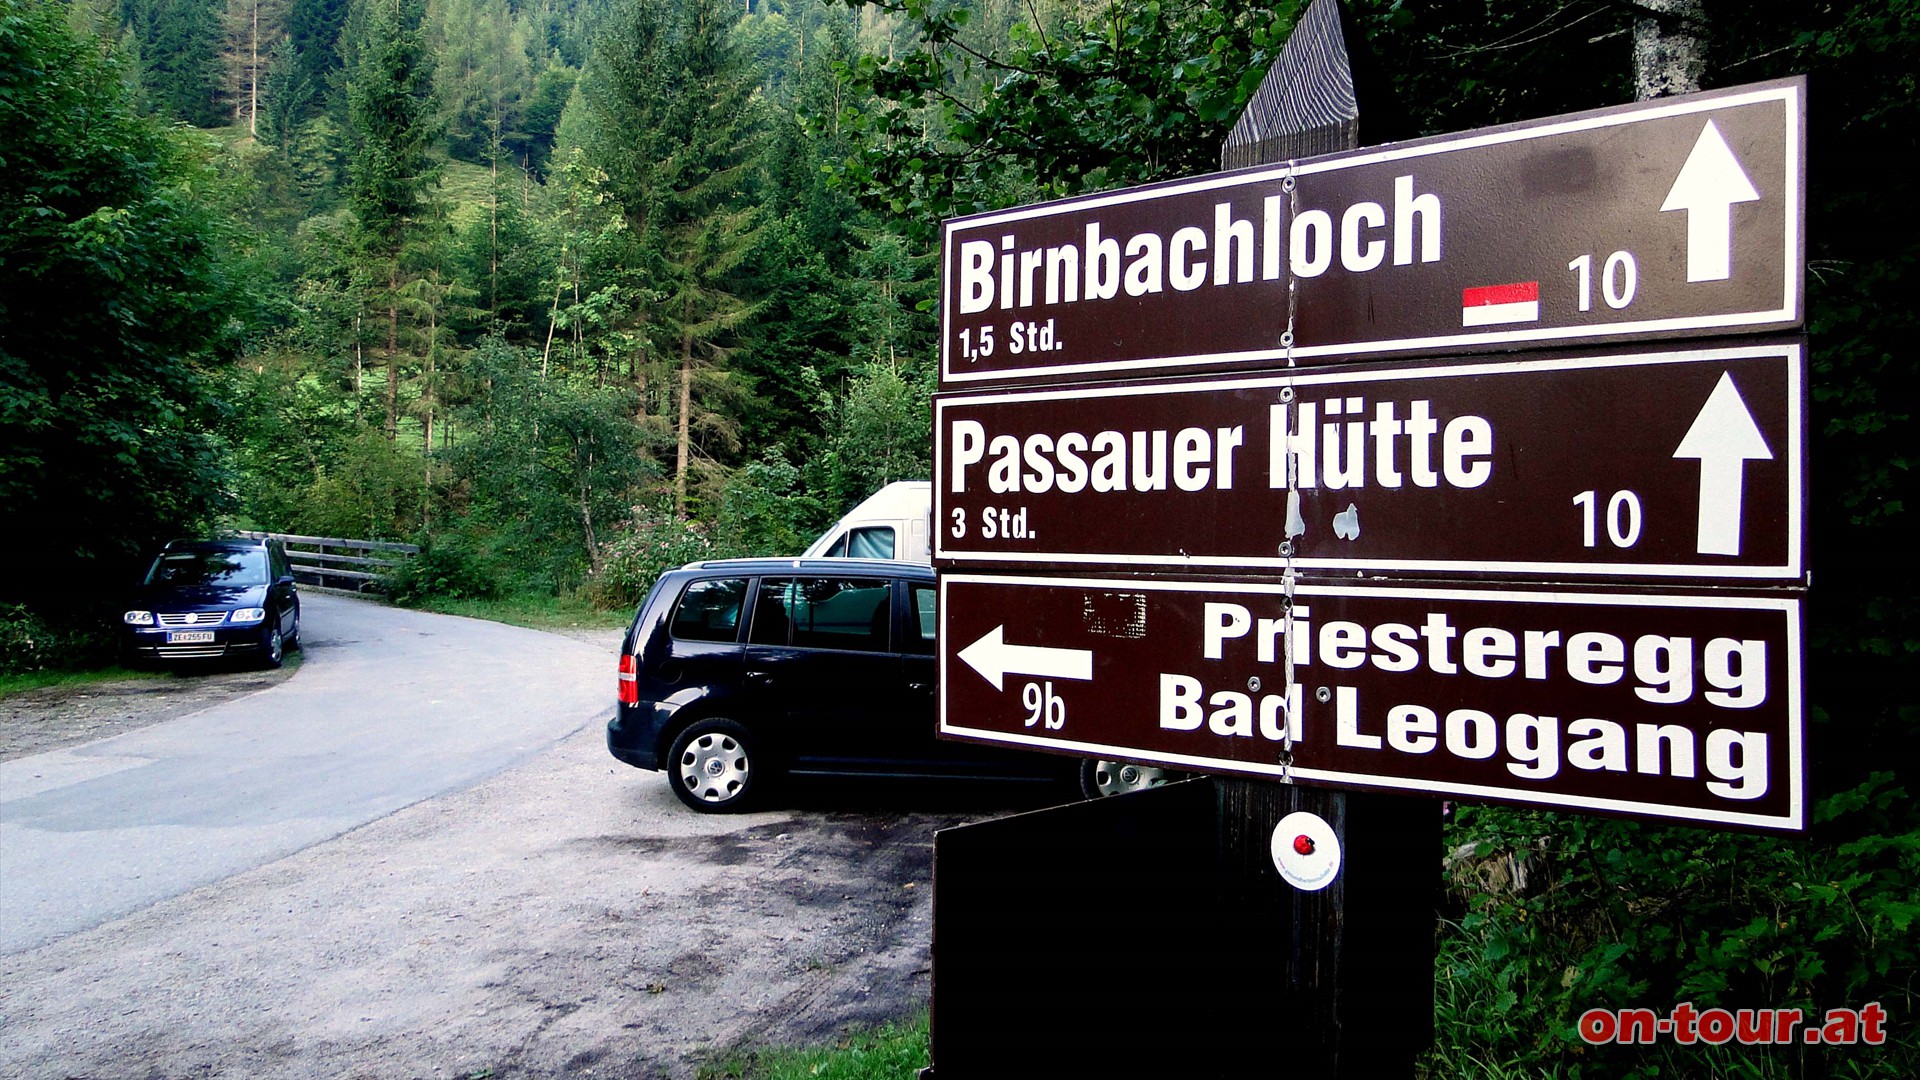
<point>35,721</point>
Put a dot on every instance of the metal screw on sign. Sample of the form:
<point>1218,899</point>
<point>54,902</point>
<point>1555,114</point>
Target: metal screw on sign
<point>1323,695</point>
<point>1253,684</point>
<point>1286,339</point>
<point>1286,394</point>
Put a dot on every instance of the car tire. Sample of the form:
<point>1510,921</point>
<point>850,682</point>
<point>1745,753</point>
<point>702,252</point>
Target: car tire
<point>273,649</point>
<point>1103,779</point>
<point>715,766</point>
<point>293,637</point>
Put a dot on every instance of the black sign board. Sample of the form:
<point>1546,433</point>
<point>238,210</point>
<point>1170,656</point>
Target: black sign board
<point>1668,706</point>
<point>1673,218</point>
<point>1655,465</point>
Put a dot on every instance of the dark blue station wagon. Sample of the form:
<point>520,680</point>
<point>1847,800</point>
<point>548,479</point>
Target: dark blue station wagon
<point>739,671</point>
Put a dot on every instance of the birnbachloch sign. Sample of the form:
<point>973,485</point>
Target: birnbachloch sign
<point>1674,218</point>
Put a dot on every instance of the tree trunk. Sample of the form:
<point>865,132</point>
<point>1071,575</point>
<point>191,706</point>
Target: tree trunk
<point>686,407</point>
<point>253,74</point>
<point>553,323</point>
<point>1669,47</point>
<point>426,431</point>
<point>393,361</point>
<point>586,517</point>
<point>493,221</point>
<point>640,384</point>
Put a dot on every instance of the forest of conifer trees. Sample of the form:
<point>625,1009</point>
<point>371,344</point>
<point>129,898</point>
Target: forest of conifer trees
<point>562,289</point>
<point>569,290</point>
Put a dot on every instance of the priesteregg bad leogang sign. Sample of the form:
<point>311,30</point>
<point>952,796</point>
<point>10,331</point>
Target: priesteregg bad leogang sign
<point>1663,705</point>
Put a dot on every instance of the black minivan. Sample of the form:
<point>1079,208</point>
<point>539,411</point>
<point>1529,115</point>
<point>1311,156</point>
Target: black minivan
<point>738,671</point>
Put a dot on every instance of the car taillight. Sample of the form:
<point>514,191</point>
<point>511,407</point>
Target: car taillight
<point>629,680</point>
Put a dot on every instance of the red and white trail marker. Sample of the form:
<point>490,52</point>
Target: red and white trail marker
<point>1493,305</point>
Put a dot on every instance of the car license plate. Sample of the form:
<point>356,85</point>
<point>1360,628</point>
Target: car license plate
<point>188,637</point>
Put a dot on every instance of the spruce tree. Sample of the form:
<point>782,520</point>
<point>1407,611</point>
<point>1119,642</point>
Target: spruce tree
<point>390,175</point>
<point>679,139</point>
<point>313,64</point>
<point>178,44</point>
<point>250,31</point>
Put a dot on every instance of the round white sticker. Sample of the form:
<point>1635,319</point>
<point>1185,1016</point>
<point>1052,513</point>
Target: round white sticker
<point>1306,851</point>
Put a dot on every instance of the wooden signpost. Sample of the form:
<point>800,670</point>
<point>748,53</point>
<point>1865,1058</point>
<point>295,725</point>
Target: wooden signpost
<point>1245,475</point>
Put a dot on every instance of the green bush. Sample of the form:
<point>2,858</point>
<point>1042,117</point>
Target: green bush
<point>632,561</point>
<point>29,642</point>
<point>450,566</point>
<point>1556,914</point>
<point>765,509</point>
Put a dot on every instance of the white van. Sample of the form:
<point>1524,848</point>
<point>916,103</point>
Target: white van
<point>892,524</point>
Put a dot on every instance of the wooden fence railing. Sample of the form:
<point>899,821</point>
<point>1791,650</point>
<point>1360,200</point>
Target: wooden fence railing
<point>332,562</point>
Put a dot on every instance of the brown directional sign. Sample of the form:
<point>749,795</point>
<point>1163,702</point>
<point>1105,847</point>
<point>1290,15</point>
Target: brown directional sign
<point>1685,463</point>
<point>1680,217</point>
<point>1666,706</point>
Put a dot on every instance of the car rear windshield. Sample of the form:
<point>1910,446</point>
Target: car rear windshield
<point>214,566</point>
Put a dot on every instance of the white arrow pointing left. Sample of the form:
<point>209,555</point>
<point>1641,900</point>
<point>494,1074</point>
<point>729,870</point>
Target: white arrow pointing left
<point>1708,185</point>
<point>993,658</point>
<point>1724,438</point>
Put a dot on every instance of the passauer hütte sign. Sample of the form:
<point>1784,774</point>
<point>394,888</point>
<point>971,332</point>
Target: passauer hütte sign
<point>1660,219</point>
<point>1684,463</point>
<point>1673,706</point>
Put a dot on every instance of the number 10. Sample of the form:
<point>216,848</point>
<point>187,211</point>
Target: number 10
<point>1619,278</point>
<point>1623,518</point>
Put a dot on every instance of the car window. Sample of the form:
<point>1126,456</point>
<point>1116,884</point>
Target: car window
<point>823,613</point>
<point>710,610</point>
<point>920,620</point>
<point>210,566</point>
<point>771,626</point>
<point>874,542</point>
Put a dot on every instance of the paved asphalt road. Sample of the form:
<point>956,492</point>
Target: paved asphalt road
<point>367,872</point>
<point>390,707</point>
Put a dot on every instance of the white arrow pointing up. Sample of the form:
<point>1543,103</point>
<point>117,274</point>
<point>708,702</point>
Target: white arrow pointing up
<point>1724,438</point>
<point>993,658</point>
<point>1708,185</point>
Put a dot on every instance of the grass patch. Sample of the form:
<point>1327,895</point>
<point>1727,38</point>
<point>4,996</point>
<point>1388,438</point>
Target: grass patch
<point>534,611</point>
<point>891,1052</point>
<point>40,680</point>
<point>467,185</point>
<point>35,680</point>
